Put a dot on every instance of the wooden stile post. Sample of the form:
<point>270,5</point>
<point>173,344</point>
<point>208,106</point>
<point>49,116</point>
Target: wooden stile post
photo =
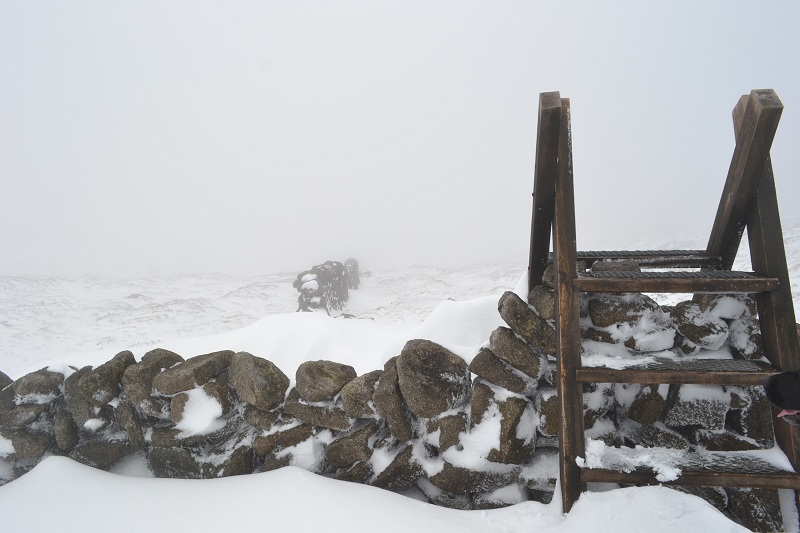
<point>759,121</point>
<point>543,185</point>
<point>568,333</point>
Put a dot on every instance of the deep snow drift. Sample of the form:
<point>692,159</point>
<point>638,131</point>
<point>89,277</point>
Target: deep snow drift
<point>62,495</point>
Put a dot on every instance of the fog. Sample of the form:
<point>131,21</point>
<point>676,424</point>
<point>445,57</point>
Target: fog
<point>154,137</point>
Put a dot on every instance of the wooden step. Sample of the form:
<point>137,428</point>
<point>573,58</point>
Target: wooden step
<point>679,372</point>
<point>656,258</point>
<point>776,480</point>
<point>722,281</point>
<point>719,469</point>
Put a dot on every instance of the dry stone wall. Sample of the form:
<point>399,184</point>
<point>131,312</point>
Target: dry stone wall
<point>466,436</point>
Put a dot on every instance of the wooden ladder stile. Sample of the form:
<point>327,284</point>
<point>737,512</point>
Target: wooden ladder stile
<point>749,201</point>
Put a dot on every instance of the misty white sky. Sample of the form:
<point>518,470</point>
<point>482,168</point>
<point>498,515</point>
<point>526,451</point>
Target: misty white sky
<point>153,137</point>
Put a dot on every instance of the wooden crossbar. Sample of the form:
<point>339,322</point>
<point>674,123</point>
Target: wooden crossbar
<point>689,478</point>
<point>675,282</point>
<point>695,371</point>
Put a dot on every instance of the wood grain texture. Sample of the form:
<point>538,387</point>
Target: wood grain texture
<point>568,340</point>
<point>548,133</point>
<point>676,282</point>
<point>785,480</point>
<point>759,121</point>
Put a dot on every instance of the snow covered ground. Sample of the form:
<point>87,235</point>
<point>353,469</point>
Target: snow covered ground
<point>47,319</point>
<point>62,495</point>
<point>81,321</point>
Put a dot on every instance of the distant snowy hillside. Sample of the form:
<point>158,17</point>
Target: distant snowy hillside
<point>42,319</point>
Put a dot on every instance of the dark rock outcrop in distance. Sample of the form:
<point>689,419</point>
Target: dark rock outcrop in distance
<point>326,286</point>
<point>352,273</point>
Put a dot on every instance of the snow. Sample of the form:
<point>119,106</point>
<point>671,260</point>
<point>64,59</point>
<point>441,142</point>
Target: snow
<point>6,446</point>
<point>614,356</point>
<point>625,393</point>
<point>78,321</point>
<point>310,286</point>
<point>477,444</point>
<point>64,370</point>
<point>382,457</point>
<point>86,321</point>
<point>461,327</point>
<point>729,307</point>
<point>93,424</point>
<point>689,393</point>
<point>35,399</point>
<point>661,460</point>
<point>429,465</point>
<point>283,499</point>
<point>597,399</point>
<point>526,429</point>
<point>201,414</point>
<point>309,453</point>
<point>641,509</point>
